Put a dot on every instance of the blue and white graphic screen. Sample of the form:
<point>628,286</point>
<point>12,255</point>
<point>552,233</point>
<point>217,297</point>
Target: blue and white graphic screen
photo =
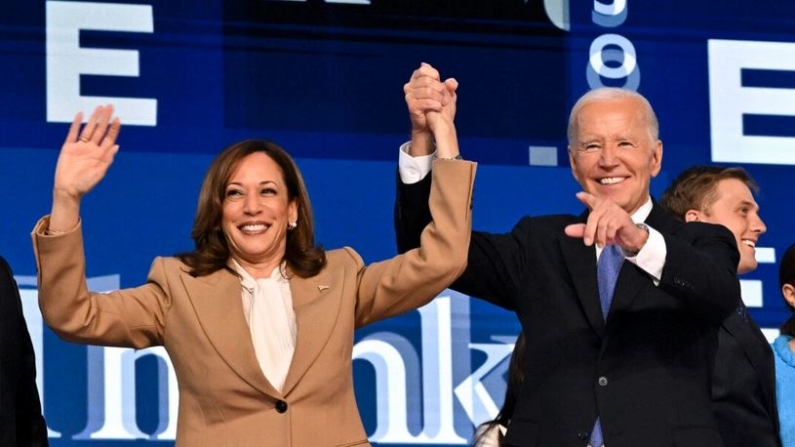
<point>324,79</point>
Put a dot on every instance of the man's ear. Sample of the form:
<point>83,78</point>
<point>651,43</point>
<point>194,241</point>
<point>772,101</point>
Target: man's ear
<point>572,163</point>
<point>692,216</point>
<point>656,158</point>
<point>788,290</point>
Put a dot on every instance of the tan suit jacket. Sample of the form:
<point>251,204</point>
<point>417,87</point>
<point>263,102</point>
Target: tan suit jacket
<point>224,399</point>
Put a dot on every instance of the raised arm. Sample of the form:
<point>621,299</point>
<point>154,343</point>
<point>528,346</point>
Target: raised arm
<point>129,317</point>
<point>85,157</point>
<point>414,278</point>
<point>432,107</point>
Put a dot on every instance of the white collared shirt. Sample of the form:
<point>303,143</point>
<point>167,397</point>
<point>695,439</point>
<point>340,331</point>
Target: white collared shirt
<point>650,258</point>
<point>268,309</point>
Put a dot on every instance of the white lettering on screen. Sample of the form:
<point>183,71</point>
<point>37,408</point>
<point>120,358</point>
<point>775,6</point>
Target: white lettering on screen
<point>67,60</point>
<point>729,101</point>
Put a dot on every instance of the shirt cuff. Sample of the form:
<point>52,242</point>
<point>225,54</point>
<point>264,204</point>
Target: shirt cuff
<point>413,169</point>
<point>651,258</point>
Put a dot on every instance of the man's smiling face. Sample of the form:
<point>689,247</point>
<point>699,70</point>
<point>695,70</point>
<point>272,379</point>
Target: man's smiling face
<point>614,154</point>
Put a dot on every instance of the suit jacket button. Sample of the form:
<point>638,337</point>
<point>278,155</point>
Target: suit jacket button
<point>583,435</point>
<point>281,406</point>
<point>602,381</point>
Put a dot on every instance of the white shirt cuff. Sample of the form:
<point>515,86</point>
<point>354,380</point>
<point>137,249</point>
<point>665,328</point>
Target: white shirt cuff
<point>413,169</point>
<point>651,258</point>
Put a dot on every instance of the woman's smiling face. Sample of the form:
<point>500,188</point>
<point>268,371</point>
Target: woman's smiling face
<point>256,213</point>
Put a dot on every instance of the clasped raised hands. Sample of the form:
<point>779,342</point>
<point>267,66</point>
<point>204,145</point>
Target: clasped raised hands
<point>425,92</point>
<point>432,107</point>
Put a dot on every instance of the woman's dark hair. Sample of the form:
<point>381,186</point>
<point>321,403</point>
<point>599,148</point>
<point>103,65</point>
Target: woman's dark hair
<point>211,252</point>
<point>786,275</point>
<point>514,385</point>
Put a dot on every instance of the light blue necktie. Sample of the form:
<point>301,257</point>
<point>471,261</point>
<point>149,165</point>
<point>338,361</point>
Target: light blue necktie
<point>606,275</point>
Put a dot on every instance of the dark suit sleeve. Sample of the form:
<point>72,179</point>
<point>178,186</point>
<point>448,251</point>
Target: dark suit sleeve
<point>412,212</point>
<point>493,262</point>
<point>701,269</point>
<point>20,372</point>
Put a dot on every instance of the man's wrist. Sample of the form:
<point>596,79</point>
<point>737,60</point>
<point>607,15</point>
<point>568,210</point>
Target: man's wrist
<point>633,253</point>
<point>421,143</point>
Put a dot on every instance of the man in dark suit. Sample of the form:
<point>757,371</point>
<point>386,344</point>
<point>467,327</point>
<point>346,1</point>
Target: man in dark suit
<point>21,420</point>
<point>623,369</point>
<point>743,380</point>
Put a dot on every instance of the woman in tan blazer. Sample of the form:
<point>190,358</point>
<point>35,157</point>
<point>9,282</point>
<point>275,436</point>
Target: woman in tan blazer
<point>258,320</point>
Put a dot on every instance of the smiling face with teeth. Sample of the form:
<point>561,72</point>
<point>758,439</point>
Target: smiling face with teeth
<point>613,147</point>
<point>256,212</point>
<point>734,207</point>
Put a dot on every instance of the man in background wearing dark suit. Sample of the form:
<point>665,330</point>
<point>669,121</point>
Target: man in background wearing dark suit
<point>21,420</point>
<point>623,369</point>
<point>743,380</point>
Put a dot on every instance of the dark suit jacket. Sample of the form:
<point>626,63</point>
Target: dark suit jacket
<point>646,371</point>
<point>21,421</point>
<point>744,385</point>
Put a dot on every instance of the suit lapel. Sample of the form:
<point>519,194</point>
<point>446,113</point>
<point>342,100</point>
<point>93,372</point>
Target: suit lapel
<point>217,301</point>
<point>630,280</point>
<point>581,262</point>
<point>750,340</point>
<point>316,302</point>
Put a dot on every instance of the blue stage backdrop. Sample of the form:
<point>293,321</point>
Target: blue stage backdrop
<point>324,80</point>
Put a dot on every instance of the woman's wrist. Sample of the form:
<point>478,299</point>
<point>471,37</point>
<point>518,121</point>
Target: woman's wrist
<point>64,215</point>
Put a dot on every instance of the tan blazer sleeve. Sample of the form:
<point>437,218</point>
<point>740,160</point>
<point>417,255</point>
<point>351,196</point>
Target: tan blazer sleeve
<point>414,278</point>
<point>129,318</point>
